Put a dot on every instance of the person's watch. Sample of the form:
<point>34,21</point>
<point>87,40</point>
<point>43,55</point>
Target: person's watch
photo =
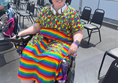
<point>77,42</point>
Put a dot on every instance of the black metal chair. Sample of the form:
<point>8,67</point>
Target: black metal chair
<point>112,73</point>
<point>85,16</point>
<point>112,53</point>
<point>69,2</point>
<point>29,14</point>
<point>95,23</point>
<point>42,3</point>
<point>23,3</point>
<point>14,2</point>
<point>24,11</point>
<point>37,6</point>
<point>16,5</point>
<point>11,2</point>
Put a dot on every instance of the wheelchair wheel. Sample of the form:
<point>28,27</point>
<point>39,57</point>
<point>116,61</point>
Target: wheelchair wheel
<point>71,76</point>
<point>71,72</point>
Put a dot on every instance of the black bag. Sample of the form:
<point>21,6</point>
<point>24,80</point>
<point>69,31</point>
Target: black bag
<point>112,73</point>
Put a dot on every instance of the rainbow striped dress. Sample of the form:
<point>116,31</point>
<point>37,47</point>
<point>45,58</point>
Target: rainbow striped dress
<point>41,60</point>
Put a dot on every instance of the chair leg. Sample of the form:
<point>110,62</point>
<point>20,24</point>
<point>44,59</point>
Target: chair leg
<point>88,32</point>
<point>32,18</point>
<point>36,11</point>
<point>101,65</point>
<point>23,22</point>
<point>89,37</point>
<point>19,19</point>
<point>99,35</point>
<point>27,18</point>
<point>39,9</point>
<point>22,6</point>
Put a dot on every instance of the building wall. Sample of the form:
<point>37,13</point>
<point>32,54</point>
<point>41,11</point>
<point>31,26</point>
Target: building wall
<point>109,6</point>
<point>75,4</point>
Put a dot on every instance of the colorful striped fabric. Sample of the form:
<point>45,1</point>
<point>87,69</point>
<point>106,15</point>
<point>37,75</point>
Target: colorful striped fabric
<point>56,35</point>
<point>41,60</point>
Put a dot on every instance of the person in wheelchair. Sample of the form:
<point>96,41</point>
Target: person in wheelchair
<point>3,6</point>
<point>60,32</point>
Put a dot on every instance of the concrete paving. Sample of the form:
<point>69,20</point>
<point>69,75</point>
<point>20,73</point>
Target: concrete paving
<point>87,62</point>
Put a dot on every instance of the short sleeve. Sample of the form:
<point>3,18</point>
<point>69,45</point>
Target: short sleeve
<point>75,22</point>
<point>41,14</point>
<point>38,19</point>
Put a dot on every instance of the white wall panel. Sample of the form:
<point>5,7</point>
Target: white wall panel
<point>111,8</point>
<point>75,4</point>
<point>91,3</point>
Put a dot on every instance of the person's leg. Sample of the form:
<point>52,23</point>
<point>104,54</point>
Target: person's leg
<point>27,81</point>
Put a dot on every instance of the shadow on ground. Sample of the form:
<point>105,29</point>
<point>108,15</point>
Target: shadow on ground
<point>84,43</point>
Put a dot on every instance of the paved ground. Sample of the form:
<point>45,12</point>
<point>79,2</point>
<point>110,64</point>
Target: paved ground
<point>87,62</point>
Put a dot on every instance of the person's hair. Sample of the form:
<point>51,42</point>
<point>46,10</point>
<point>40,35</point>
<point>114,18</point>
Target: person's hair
<point>52,3</point>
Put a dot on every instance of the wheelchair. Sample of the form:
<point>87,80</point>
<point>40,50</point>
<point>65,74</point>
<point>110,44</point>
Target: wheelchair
<point>68,77</point>
<point>21,42</point>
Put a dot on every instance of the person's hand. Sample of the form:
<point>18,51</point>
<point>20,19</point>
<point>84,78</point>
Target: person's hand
<point>14,37</point>
<point>72,49</point>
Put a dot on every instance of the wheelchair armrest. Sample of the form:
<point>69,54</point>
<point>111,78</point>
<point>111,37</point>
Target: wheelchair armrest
<point>20,39</point>
<point>26,37</point>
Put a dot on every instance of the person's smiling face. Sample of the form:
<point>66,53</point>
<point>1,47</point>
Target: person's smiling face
<point>58,3</point>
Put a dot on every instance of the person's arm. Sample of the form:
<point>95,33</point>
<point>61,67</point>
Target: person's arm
<point>76,36</point>
<point>31,30</point>
<point>1,7</point>
<point>76,30</point>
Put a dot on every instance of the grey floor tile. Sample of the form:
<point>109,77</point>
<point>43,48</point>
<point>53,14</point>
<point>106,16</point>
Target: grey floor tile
<point>85,53</point>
